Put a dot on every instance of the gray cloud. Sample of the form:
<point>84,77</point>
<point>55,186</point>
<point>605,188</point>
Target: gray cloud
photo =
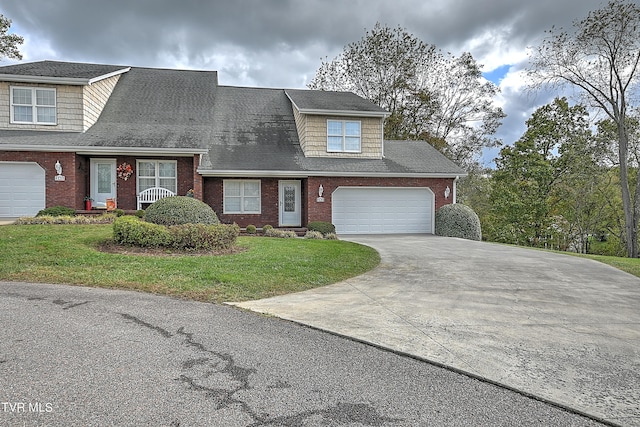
<point>280,43</point>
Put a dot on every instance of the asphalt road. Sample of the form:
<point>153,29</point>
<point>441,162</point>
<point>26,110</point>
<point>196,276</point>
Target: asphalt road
<point>95,357</point>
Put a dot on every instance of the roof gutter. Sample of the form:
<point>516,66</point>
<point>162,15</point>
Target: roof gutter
<point>96,151</point>
<point>351,113</point>
<point>306,174</point>
<point>72,81</point>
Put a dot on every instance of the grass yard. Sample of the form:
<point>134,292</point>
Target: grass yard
<point>268,266</point>
<point>630,265</point>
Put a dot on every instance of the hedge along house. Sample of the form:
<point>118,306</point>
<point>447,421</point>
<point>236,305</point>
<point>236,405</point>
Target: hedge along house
<point>257,156</point>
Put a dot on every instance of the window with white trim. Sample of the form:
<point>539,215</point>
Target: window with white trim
<point>242,196</point>
<point>343,136</point>
<point>157,173</point>
<point>34,105</point>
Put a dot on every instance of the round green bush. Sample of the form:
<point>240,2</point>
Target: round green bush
<point>457,220</point>
<point>251,229</point>
<point>177,210</point>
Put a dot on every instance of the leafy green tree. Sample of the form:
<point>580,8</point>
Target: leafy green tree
<point>613,220</point>
<point>532,176</point>
<point>474,191</point>
<point>432,96</point>
<point>600,58</point>
<point>9,42</point>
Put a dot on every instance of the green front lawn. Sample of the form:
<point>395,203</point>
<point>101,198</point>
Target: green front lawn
<point>630,265</point>
<point>269,266</point>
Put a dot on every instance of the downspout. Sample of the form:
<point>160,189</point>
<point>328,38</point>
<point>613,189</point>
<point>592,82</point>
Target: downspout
<point>455,188</point>
<point>382,135</point>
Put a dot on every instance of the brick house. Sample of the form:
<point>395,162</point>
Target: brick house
<point>257,156</point>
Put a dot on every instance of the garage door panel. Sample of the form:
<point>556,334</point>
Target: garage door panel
<point>22,189</point>
<point>378,210</point>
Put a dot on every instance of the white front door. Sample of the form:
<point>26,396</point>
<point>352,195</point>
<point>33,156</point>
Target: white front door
<point>289,201</point>
<point>103,181</point>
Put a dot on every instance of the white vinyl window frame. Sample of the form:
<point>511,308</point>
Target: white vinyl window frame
<point>149,179</point>
<point>344,136</point>
<point>242,196</point>
<point>40,108</point>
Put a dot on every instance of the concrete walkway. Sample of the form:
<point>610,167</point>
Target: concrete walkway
<point>557,327</point>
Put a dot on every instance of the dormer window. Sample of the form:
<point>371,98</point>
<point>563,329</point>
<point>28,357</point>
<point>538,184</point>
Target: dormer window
<point>343,136</point>
<point>33,105</point>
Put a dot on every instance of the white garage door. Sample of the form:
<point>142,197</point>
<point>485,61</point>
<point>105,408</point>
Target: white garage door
<point>377,210</point>
<point>22,190</point>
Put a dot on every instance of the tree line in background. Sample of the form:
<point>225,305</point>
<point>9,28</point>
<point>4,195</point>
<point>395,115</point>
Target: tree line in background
<point>432,96</point>
<point>570,182</point>
<point>558,186</point>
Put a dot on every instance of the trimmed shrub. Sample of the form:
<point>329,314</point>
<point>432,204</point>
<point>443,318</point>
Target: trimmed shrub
<point>321,226</point>
<point>266,228</point>
<point>283,234</point>
<point>65,219</point>
<point>130,230</point>
<point>176,210</point>
<point>200,237</point>
<point>140,213</point>
<point>311,234</point>
<point>251,229</point>
<point>57,211</point>
<point>458,220</point>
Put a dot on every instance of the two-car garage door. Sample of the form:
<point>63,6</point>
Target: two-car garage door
<point>22,189</point>
<point>378,210</point>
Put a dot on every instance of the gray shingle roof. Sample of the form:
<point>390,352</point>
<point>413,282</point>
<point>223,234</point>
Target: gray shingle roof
<point>253,129</point>
<point>156,108</point>
<point>400,158</point>
<point>150,109</point>
<point>327,101</point>
<point>60,69</point>
<point>248,130</point>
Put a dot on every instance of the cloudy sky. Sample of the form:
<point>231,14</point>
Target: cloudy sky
<point>281,43</point>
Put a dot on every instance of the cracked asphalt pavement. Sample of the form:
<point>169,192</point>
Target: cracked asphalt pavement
<point>77,356</point>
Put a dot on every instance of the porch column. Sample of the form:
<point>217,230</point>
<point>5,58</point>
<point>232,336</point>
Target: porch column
<point>197,178</point>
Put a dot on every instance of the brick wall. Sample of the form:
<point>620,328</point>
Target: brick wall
<point>127,190</point>
<point>213,196</point>
<point>197,179</point>
<point>57,193</point>
<point>76,170</point>
<point>312,210</point>
<point>321,211</point>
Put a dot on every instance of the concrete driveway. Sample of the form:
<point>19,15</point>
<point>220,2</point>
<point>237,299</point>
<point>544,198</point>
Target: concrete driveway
<point>557,327</point>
